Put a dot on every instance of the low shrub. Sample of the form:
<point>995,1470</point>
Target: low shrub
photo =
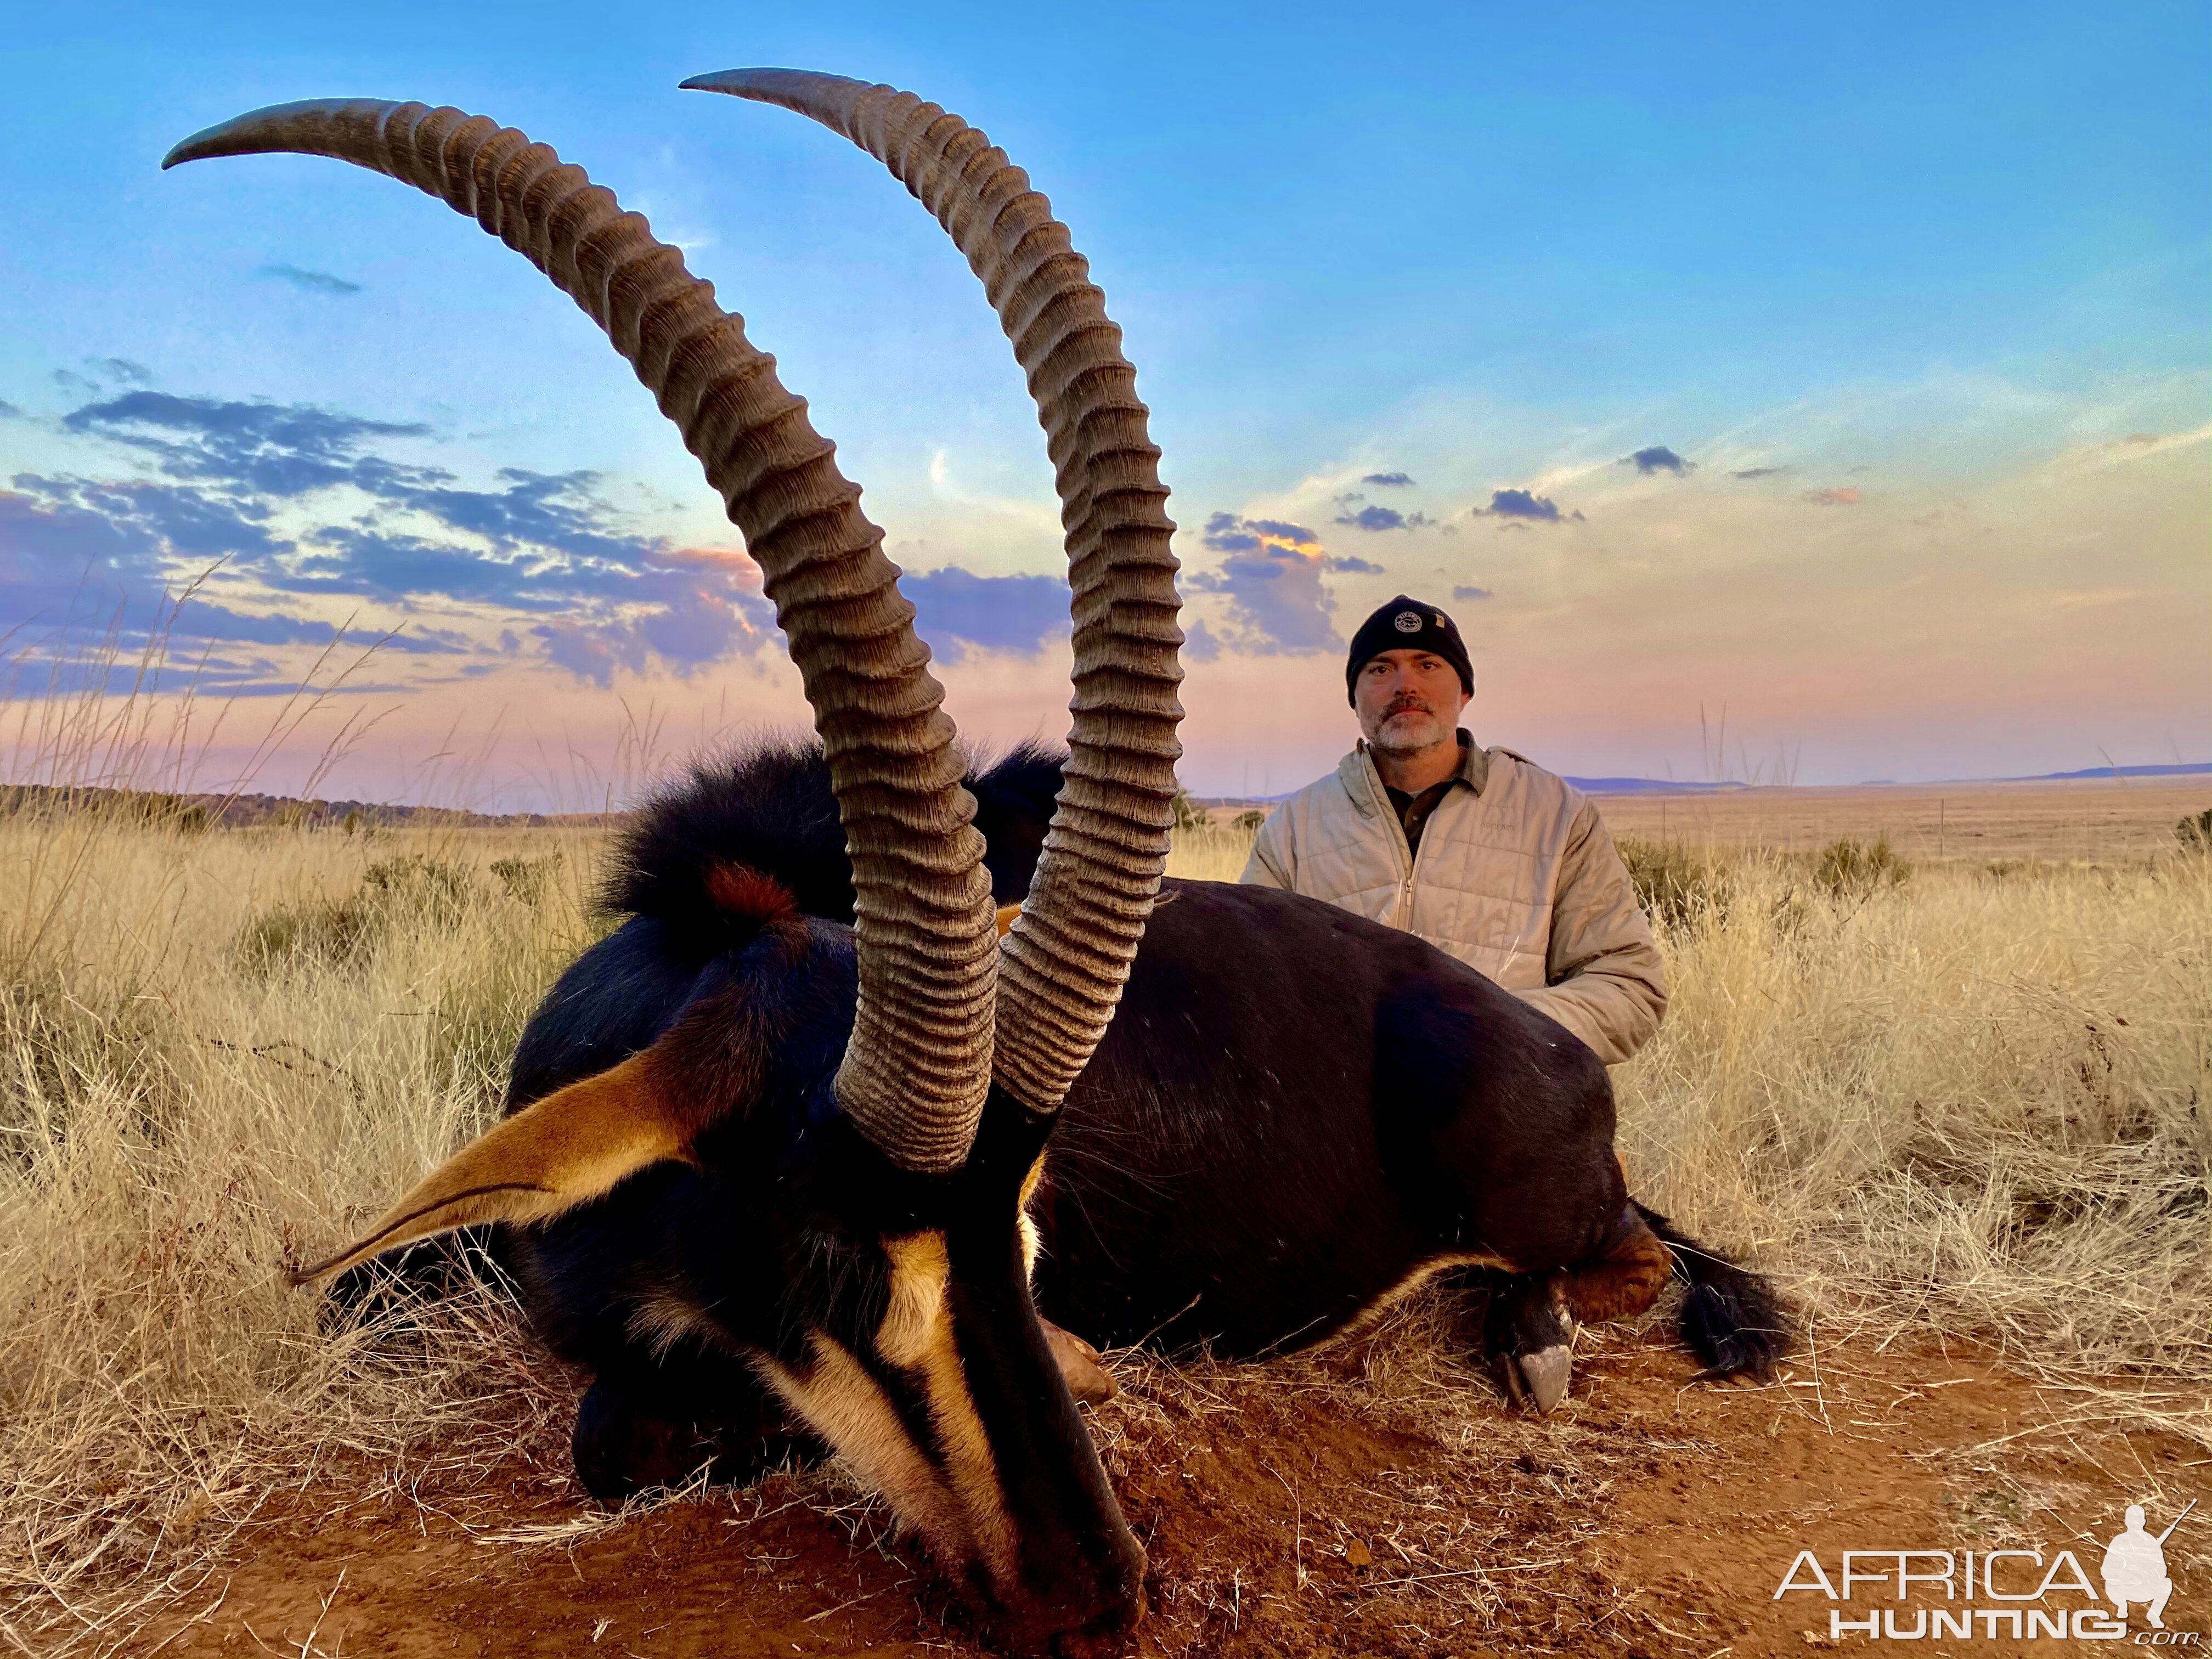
<point>320,932</point>
<point>525,879</point>
<point>324,933</point>
<point>1674,885</point>
<point>1853,869</point>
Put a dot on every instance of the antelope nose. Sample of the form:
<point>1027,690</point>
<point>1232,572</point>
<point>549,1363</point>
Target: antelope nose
<point>1104,1637</point>
<point>1107,1632</point>
<point>1096,1621</point>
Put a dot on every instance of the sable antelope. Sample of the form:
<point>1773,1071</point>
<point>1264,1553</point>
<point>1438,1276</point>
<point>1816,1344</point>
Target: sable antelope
<point>778,1141</point>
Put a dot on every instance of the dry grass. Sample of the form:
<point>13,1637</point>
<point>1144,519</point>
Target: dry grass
<point>219,1050</point>
<point>1973,1100</point>
<point>2095,820</point>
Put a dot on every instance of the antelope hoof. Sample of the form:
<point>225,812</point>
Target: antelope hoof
<point>1080,1367</point>
<point>1543,1376</point>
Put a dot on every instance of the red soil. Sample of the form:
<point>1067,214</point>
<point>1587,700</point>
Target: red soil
<point>1332,1508</point>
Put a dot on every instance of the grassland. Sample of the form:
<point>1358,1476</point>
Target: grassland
<point>1956,1097</point>
<point>2117,821</point>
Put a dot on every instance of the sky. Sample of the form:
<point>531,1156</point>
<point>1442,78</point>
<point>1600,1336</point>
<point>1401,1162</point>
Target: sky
<point>1840,379</point>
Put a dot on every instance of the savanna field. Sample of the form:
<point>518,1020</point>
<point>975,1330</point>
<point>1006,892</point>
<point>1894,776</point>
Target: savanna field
<point>1954,1101</point>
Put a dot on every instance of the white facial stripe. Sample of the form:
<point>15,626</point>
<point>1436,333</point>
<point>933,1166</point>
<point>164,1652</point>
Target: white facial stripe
<point>916,1335</point>
<point>844,1405</point>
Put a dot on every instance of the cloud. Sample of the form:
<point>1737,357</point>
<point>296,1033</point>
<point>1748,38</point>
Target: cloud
<point>237,479</point>
<point>187,524</point>
<point>1199,644</point>
<point>1759,472</point>
<point>1659,458</point>
<point>1471,593</point>
<point>315,281</point>
<point>199,619</point>
<point>1389,480</point>
<point>273,449</point>
<point>1346,565</point>
<point>1380,518</point>
<point>71,563</point>
<point>1843,497</point>
<point>556,510</point>
<point>956,609</point>
<point>1227,533</point>
<point>45,538</point>
<point>1271,579</point>
<point>1525,504</point>
<point>103,370</point>
<point>690,608</point>
<point>1373,517</point>
<point>9,411</point>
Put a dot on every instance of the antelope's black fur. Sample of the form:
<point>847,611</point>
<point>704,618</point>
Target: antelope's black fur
<point>770,808</point>
<point>1293,1108</point>
<point>1294,1112</point>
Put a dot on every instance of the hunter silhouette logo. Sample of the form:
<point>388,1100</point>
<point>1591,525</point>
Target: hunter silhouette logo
<point>2134,1566</point>
<point>2024,1594</point>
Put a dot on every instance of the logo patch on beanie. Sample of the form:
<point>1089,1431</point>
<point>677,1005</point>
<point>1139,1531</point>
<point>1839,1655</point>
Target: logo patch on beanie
<point>1407,622</point>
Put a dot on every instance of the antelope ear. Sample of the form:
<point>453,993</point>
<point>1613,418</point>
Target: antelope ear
<point>550,1157</point>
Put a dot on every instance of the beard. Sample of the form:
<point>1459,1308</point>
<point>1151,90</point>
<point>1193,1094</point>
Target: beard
<point>1408,727</point>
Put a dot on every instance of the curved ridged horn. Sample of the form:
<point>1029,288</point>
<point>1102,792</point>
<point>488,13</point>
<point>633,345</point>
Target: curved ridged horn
<point>1062,967</point>
<point>917,1068</point>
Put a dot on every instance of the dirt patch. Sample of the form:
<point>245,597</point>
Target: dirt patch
<point>1378,1501</point>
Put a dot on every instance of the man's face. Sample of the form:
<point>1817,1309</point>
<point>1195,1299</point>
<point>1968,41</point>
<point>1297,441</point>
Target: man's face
<point>1407,700</point>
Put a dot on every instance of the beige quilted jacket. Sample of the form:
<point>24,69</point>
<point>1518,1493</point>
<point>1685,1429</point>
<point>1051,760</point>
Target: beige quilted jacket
<point>1516,876</point>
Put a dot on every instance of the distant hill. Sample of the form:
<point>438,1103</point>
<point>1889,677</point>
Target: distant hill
<point>1671,787</point>
<point>1650,786</point>
<point>208,812</point>
<point>1661,786</point>
<point>2187,769</point>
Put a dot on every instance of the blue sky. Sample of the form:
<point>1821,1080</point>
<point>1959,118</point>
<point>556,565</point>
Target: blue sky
<point>1849,371</point>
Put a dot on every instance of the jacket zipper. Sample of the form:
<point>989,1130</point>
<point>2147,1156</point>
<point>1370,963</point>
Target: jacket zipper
<point>1402,920</point>
<point>1413,869</point>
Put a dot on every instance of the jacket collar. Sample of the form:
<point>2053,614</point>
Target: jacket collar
<point>1357,773</point>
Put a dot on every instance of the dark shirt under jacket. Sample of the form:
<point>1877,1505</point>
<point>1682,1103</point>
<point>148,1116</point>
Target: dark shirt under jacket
<point>1413,811</point>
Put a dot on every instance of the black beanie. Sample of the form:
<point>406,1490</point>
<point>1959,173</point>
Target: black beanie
<point>1407,624</point>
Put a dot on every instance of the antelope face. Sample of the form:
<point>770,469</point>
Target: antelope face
<point>913,1349</point>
